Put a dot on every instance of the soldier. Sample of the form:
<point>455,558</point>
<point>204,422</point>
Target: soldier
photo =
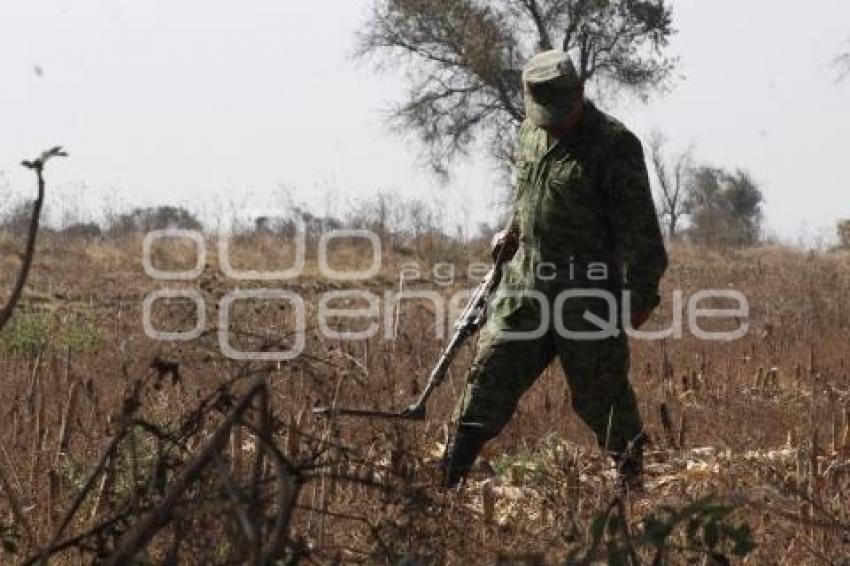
<point>584,224</point>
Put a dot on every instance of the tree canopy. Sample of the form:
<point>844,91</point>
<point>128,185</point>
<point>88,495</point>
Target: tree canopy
<point>725,208</point>
<point>463,60</point>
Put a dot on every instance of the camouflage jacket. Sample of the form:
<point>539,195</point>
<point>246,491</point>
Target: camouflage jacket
<point>584,206</point>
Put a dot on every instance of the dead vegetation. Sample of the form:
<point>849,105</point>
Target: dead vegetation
<point>115,446</point>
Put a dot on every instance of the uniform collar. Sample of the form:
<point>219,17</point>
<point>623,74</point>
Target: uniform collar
<point>588,122</point>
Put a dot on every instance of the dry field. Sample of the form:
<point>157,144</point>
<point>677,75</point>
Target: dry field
<point>111,442</point>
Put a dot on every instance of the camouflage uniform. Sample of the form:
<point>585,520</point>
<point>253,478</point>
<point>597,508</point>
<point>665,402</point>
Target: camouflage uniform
<point>581,202</point>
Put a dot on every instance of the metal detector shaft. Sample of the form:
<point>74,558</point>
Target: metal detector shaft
<point>438,375</point>
<point>473,316</point>
<point>416,411</point>
<point>334,412</point>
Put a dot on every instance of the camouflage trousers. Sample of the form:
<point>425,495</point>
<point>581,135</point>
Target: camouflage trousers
<point>504,369</point>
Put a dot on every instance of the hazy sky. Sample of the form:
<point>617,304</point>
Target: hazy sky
<point>178,101</point>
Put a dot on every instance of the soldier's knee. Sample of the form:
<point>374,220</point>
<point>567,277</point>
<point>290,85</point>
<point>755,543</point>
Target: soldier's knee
<point>487,410</point>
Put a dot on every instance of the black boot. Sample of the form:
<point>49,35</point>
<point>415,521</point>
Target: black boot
<point>459,456</point>
<point>630,465</point>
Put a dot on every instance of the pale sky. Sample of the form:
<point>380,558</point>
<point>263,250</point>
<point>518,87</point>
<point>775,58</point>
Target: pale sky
<point>205,102</point>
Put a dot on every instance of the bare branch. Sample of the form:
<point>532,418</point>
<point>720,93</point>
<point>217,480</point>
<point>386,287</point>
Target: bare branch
<point>162,514</point>
<point>545,41</point>
<point>673,205</point>
<point>36,165</point>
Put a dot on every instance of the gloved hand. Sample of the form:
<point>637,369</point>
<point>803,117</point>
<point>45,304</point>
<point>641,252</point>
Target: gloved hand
<point>506,240</point>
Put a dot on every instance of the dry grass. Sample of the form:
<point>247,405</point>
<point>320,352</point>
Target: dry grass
<point>760,422</point>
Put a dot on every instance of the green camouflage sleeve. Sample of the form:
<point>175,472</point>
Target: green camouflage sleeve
<point>521,168</point>
<point>633,221</point>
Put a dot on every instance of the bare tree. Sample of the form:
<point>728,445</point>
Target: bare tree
<point>463,60</point>
<point>842,229</point>
<point>671,182</point>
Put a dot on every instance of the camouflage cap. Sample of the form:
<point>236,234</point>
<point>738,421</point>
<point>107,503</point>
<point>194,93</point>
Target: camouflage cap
<point>550,82</point>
